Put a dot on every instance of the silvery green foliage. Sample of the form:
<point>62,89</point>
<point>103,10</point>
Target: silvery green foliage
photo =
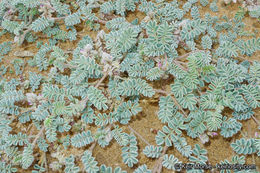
<point>204,2</point>
<point>244,146</point>
<point>254,12</point>
<point>169,162</point>
<point>103,119</point>
<point>19,139</point>
<point>199,155</point>
<point>82,139</point>
<point>167,109</point>
<point>5,47</point>
<point>257,145</point>
<point>234,160</point>
<point>70,165</point>
<point>40,24</point>
<point>142,169</point>
<point>197,125</point>
<point>18,66</point>
<point>130,152</point>
<point>159,38</point>
<point>7,168</point>
<point>243,115</point>
<point>134,86</point>
<point>34,80</point>
<point>97,98</point>
<point>206,42</point>
<point>42,144</point>
<point>119,6</point>
<point>103,137</point>
<point>89,162</point>
<point>86,95</point>
<point>105,169</point>
<point>120,137</point>
<point>195,12</point>
<point>8,99</point>
<point>230,127</point>
<point>193,29</point>
<point>126,110</point>
<point>27,157</point>
<point>152,151</point>
<point>121,40</point>
<point>73,19</point>
<point>38,168</point>
<point>213,6</point>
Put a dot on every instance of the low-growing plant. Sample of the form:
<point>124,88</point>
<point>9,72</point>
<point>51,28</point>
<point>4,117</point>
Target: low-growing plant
<point>59,99</point>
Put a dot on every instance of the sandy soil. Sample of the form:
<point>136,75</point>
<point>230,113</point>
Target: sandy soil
<point>218,148</point>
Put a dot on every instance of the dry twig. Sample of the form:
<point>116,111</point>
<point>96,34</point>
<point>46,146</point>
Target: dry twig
<point>140,136</point>
<point>158,166</point>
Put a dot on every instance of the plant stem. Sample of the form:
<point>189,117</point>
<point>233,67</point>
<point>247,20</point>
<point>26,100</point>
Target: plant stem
<point>91,148</point>
<point>158,166</point>
<point>96,86</point>
<point>179,65</point>
<point>183,56</point>
<point>257,122</point>
<point>101,80</point>
<point>174,99</point>
<point>37,136</point>
<point>46,163</point>
<point>145,141</point>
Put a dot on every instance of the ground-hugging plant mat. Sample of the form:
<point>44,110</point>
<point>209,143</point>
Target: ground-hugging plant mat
<point>146,122</point>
